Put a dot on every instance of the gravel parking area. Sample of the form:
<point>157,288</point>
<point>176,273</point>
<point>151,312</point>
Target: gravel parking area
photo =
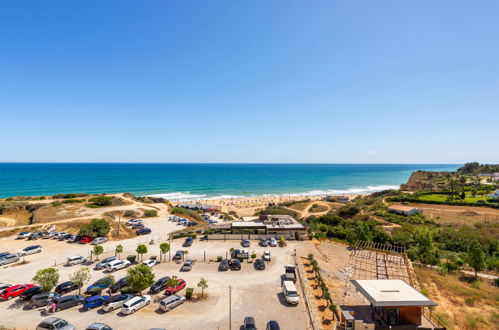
<point>254,293</point>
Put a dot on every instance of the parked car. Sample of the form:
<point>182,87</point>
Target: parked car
<point>4,286</point>
<point>273,242</point>
<point>143,231</point>
<point>259,264</point>
<point>224,265</point>
<point>249,323</point>
<point>138,225</point>
<point>65,237</point>
<point>94,301</point>
<point>117,264</point>
<point>188,264</point>
<point>174,289</point>
<point>75,260</point>
<point>98,326</point>
<point>42,299</point>
<point>290,292</point>
<point>23,235</point>
<point>171,302</point>
<point>188,241</point>
<point>118,285</point>
<point>3,254</point>
<point>179,255</point>
<point>55,323</point>
<point>133,221</point>
<point>266,255</point>
<point>150,263</point>
<point>103,283</point>
<point>74,239</point>
<point>66,287</point>
<point>85,240</point>
<point>30,250</point>
<point>26,295</point>
<point>9,259</point>
<point>263,242</point>
<point>115,302</point>
<point>99,240</point>
<point>235,264</point>
<point>33,236</point>
<point>46,235</point>
<point>246,243</point>
<point>159,285</point>
<point>273,325</point>
<point>134,304</point>
<point>68,302</point>
<point>104,262</point>
<point>14,291</point>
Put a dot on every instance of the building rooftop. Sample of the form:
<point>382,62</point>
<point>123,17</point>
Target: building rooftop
<point>391,293</point>
<point>246,224</point>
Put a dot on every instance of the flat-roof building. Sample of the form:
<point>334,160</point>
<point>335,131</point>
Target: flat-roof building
<point>404,209</point>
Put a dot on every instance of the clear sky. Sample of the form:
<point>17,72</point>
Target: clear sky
<point>249,81</point>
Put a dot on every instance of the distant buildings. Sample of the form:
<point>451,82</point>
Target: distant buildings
<point>197,206</point>
<point>404,210</point>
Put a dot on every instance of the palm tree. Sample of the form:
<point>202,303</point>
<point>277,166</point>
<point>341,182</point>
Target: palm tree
<point>185,254</point>
<point>164,248</point>
<point>172,281</point>
<point>462,181</point>
<point>119,250</point>
<point>203,284</point>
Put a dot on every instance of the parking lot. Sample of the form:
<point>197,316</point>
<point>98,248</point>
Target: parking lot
<point>252,292</point>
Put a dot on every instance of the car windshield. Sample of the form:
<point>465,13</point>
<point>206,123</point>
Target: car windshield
<point>292,294</point>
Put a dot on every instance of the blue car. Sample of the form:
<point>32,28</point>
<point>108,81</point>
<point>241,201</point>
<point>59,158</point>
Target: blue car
<point>94,301</point>
<point>103,283</point>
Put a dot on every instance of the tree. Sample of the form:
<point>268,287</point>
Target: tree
<point>102,200</point>
<point>119,250</point>
<point>476,257</point>
<point>96,228</point>
<point>185,254</point>
<point>363,232</point>
<point>426,252</point>
<point>253,255</point>
<point>46,278</point>
<point>140,277</point>
<point>172,281</point>
<point>282,241</point>
<point>164,248</point>
<point>97,251</point>
<point>81,277</point>
<point>141,250</point>
<point>150,213</point>
<point>203,284</point>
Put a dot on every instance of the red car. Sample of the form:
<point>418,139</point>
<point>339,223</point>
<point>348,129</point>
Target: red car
<point>14,291</point>
<point>172,290</point>
<point>86,239</point>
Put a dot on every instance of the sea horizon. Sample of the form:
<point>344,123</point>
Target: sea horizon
<point>188,181</point>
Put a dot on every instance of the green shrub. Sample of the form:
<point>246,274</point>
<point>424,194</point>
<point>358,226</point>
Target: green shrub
<point>188,293</point>
<point>150,213</point>
<point>96,228</point>
<point>69,201</point>
<point>131,258</point>
<point>95,291</point>
<point>130,213</point>
<point>219,258</point>
<point>56,204</point>
<point>190,213</point>
<point>102,201</point>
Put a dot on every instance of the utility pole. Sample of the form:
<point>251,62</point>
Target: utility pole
<point>230,307</point>
<point>170,249</point>
<point>119,224</point>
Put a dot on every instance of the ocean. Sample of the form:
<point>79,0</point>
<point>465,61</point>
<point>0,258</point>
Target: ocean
<point>195,181</point>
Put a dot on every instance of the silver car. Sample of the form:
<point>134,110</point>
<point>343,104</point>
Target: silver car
<point>8,259</point>
<point>99,240</point>
<point>55,323</point>
<point>115,302</point>
<point>171,302</point>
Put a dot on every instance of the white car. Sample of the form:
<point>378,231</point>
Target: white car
<point>117,264</point>
<point>99,240</point>
<point>133,222</point>
<point>273,242</point>
<point>76,260</point>
<point>23,235</point>
<point>134,304</point>
<point>266,255</point>
<point>30,250</point>
<point>150,262</point>
<point>59,235</point>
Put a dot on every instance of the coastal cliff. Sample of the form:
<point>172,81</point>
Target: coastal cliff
<point>424,180</point>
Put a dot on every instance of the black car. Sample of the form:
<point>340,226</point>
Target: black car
<point>68,301</point>
<point>235,264</point>
<point>42,299</point>
<point>143,231</point>
<point>3,254</point>
<point>273,325</point>
<point>179,255</point>
<point>224,265</point>
<point>160,285</point>
<point>259,264</point>
<point>26,295</point>
<point>66,287</point>
<point>33,237</point>
<point>249,323</point>
<point>188,241</point>
<point>118,285</point>
<point>65,237</point>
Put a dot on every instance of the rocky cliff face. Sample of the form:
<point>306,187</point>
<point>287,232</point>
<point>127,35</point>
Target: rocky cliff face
<point>422,180</point>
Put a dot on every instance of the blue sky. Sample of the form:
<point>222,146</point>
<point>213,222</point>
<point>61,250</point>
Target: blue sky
<point>249,81</point>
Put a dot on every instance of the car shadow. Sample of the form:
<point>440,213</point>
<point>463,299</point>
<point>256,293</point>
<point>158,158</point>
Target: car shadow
<point>100,311</point>
<point>16,305</point>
